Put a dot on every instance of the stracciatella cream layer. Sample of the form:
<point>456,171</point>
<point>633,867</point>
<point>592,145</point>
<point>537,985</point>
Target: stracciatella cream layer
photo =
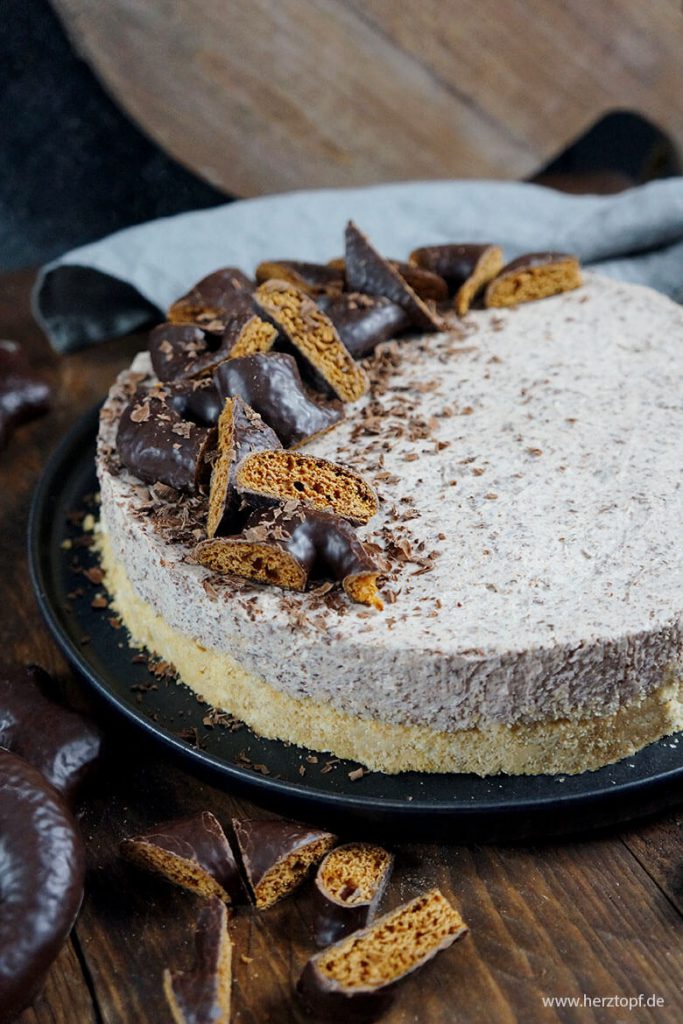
<point>532,493</point>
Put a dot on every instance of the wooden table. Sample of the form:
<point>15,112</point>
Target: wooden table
<point>600,916</point>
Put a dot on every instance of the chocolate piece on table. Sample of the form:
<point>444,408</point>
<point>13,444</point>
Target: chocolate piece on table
<point>157,444</point>
<point>278,854</point>
<point>282,546</point>
<point>59,742</point>
<point>196,400</point>
<point>214,299</point>
<point>41,880</point>
<point>466,268</point>
<point>271,384</point>
<point>193,853</point>
<point>241,431</point>
<point>23,395</point>
<point>313,335</point>
<point>536,275</point>
<point>314,278</point>
<point>356,978</point>
<point>181,351</point>
<point>267,477</point>
<point>349,886</point>
<point>363,321</point>
<point>367,271</point>
<point>202,995</point>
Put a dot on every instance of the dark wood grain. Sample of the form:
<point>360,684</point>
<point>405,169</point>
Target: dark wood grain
<point>600,917</point>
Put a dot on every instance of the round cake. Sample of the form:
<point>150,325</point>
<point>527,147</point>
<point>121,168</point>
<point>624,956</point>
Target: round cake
<point>529,465</point>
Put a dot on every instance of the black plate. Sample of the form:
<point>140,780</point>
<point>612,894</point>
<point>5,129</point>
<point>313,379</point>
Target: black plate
<point>454,807</point>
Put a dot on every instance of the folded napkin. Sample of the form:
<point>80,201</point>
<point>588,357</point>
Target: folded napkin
<point>121,282</point>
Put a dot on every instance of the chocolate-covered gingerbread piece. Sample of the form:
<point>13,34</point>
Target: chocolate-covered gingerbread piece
<point>156,443</point>
<point>42,869</point>
<point>271,384</point>
<point>349,885</point>
<point>536,275</point>
<point>313,278</point>
<point>60,743</point>
<point>425,283</point>
<point>23,394</point>
<point>193,853</point>
<point>180,351</point>
<point>284,545</point>
<point>363,321</point>
<point>267,477</point>
<point>241,431</point>
<point>465,267</point>
<point>196,400</point>
<point>356,978</point>
<point>214,300</point>
<point>202,995</point>
<point>278,854</point>
<point>313,335</point>
<point>367,271</point>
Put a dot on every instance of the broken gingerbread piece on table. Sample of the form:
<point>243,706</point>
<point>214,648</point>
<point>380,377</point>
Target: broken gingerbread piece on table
<point>466,267</point>
<point>313,336</point>
<point>314,278</point>
<point>202,995</point>
<point>277,855</point>
<point>364,321</point>
<point>270,383</point>
<point>213,300</point>
<point>193,853</point>
<point>356,978</point>
<point>349,885</point>
<point>24,394</point>
<point>535,275</point>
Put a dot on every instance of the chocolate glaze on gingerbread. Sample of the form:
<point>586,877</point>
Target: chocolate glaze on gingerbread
<point>42,868</point>
<point>314,278</point>
<point>23,394</point>
<point>455,263</point>
<point>214,299</point>
<point>199,996</point>
<point>339,913</point>
<point>266,842</point>
<point>196,400</point>
<point>363,321</point>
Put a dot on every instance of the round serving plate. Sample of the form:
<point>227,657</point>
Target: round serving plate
<point>284,777</point>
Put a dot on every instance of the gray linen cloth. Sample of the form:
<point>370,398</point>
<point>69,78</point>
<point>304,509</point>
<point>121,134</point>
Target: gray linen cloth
<point>112,286</point>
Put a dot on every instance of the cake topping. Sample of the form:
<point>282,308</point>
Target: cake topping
<point>286,545</point>
<point>179,351</point>
<point>314,278</point>
<point>536,275</point>
<point>23,395</point>
<point>367,271</point>
<point>355,979</point>
<point>193,853</point>
<point>349,885</point>
<point>271,384</point>
<point>270,476</point>
<point>313,335</point>
<point>241,431</point>
<point>202,995</point>
<point>214,299</point>
<point>466,268</point>
<point>158,444</point>
<point>363,321</point>
<point>196,400</point>
<point>425,283</point>
<point>246,334</point>
<point>42,868</point>
<point>278,854</point>
<point>67,751</point>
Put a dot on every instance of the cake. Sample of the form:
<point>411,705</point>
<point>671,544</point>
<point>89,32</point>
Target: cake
<point>529,468</point>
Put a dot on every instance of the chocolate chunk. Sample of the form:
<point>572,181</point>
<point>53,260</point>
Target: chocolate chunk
<point>363,321</point>
<point>267,477</point>
<point>23,395</point>
<point>193,853</point>
<point>313,335</point>
<point>356,979</point>
<point>271,384</point>
<point>42,869</point>
<point>313,278</point>
<point>196,400</point>
<point>64,753</point>
<point>466,268</point>
<point>241,431</point>
<point>180,351</point>
<point>367,271</point>
<point>349,886</point>
<point>278,854</point>
<point>202,995</point>
<point>536,275</point>
<point>157,444</point>
<point>284,546</point>
<point>214,299</point>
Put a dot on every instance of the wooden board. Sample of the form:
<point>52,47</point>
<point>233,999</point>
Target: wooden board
<point>262,97</point>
